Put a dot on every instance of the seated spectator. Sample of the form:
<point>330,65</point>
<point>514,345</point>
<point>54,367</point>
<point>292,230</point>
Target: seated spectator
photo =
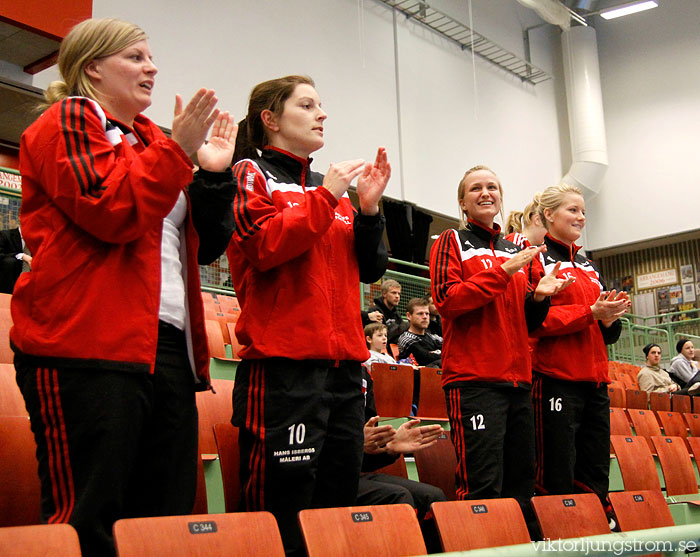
<point>435,325</point>
<point>375,335</point>
<point>652,378</point>
<point>423,347</point>
<point>683,368</point>
<point>14,259</point>
<point>387,305</point>
<point>382,446</point>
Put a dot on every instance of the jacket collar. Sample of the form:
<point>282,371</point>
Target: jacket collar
<point>560,247</point>
<point>483,231</point>
<point>297,167</point>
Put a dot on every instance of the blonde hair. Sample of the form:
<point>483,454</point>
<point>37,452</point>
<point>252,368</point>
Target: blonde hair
<point>553,197</point>
<point>517,221</point>
<point>388,284</point>
<point>87,41</point>
<point>463,216</point>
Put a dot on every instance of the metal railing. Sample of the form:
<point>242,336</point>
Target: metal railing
<point>412,286</point>
<point>665,332</point>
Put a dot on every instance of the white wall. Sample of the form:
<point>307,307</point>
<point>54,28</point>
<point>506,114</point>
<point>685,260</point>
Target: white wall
<point>650,70</point>
<point>447,123</point>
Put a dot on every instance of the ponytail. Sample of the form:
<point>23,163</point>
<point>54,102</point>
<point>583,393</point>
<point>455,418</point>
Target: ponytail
<point>245,148</point>
<point>514,222</point>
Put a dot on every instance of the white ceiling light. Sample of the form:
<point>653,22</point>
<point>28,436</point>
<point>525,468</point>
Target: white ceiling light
<point>628,8</point>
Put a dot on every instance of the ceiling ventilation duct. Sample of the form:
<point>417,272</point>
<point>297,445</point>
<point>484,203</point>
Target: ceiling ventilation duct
<point>552,11</point>
<point>584,98</point>
<point>585,104</point>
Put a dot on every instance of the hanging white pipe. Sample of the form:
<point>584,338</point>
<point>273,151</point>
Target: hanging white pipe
<point>585,105</point>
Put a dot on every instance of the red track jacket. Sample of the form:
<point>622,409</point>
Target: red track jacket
<point>485,312</point>
<point>93,203</point>
<point>297,257</point>
<point>571,343</point>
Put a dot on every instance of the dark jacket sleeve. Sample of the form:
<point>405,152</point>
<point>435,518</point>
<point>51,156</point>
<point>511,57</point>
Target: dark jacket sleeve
<point>369,246</point>
<point>372,462</point>
<point>421,352</point>
<point>211,199</point>
<point>535,312</point>
<point>10,266</point>
<point>612,333</point>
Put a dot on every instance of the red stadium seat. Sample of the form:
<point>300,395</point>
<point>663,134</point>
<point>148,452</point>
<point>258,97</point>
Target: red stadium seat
<point>250,533</point>
<point>639,510</point>
<point>660,402</point>
<point>387,530</point>
<point>393,389</point>
<point>40,540</point>
<point>636,463</point>
<point>467,525</point>
<point>570,516</point>
<point>676,466</point>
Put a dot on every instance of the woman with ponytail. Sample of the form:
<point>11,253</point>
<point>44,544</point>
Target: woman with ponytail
<point>297,257</point>
<point>108,333</point>
<point>570,361</point>
<point>524,228</point>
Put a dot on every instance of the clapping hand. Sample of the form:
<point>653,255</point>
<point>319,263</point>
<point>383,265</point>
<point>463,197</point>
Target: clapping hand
<point>216,154</point>
<point>372,183</point>
<point>191,124</point>
<point>410,437</point>
<point>610,306</point>
<point>377,437</point>
<point>550,285</point>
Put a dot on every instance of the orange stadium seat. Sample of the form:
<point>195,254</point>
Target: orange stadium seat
<point>236,346</point>
<point>20,491</point>
<point>387,530</point>
<point>226,436</point>
<point>617,396</point>
<point>11,399</point>
<point>570,516</point>
<point>40,540</point>
<point>634,398</point>
<point>636,463</point>
<point>645,424</point>
<point>215,339</point>
<point>467,525</point>
<point>7,356</point>
<point>673,424</point>
<point>619,424</point>
<point>675,465</point>
<point>213,408</point>
<point>693,421</point>
<point>436,466</point>
<point>393,389</point>
<point>681,403</point>
<point>660,402</point>
<point>639,510</point>
<point>250,533</point>
<point>431,398</point>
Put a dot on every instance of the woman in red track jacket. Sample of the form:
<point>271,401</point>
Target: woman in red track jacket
<point>297,256</point>
<point>487,308</point>
<point>570,361</point>
<point>108,329</point>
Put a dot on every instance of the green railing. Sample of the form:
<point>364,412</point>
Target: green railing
<point>412,286</point>
<point>663,329</point>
